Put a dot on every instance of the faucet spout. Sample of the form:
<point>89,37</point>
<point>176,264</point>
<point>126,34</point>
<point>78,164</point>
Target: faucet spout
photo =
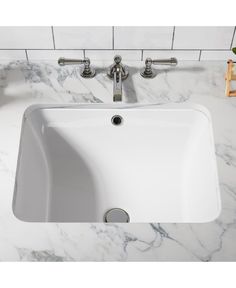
<point>117,72</point>
<point>117,87</point>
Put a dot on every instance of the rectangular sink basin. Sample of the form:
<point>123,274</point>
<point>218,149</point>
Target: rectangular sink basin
<point>120,163</point>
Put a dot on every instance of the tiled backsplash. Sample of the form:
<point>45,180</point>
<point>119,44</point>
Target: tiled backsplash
<point>132,43</point>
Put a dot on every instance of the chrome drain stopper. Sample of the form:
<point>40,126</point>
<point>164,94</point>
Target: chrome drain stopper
<point>116,215</point>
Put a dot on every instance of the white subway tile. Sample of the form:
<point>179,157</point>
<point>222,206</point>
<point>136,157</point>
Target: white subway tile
<point>8,55</point>
<point>218,55</point>
<point>215,37</point>
<point>179,54</point>
<point>143,37</point>
<point>234,41</point>
<point>53,55</point>
<point>97,37</point>
<point>108,55</point>
<point>26,37</point>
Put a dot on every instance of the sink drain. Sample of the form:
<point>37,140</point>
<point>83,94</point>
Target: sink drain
<point>116,215</point>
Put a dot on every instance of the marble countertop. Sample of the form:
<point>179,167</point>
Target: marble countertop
<point>23,84</point>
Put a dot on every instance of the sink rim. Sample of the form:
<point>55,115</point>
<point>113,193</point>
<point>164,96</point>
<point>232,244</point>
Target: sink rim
<point>166,106</point>
<point>91,106</point>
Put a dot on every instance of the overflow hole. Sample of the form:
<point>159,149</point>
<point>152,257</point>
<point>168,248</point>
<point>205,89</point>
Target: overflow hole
<point>116,120</point>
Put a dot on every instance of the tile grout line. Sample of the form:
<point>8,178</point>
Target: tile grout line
<point>26,55</point>
<point>173,38</point>
<point>107,49</point>
<point>141,51</point>
<point>200,54</point>
<point>53,38</point>
<point>231,45</point>
<point>113,37</point>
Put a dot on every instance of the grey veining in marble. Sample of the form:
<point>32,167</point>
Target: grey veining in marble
<point>23,84</point>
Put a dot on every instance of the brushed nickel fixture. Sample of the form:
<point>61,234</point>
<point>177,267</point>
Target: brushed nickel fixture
<point>116,215</point>
<point>147,71</point>
<point>117,72</point>
<point>86,72</point>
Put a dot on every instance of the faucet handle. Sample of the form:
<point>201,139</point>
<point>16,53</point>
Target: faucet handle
<point>86,72</point>
<point>147,72</point>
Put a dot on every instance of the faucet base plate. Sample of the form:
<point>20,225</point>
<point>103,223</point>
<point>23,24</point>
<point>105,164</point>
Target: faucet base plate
<point>148,75</point>
<point>88,74</point>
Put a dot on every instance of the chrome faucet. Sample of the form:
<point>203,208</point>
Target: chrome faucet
<point>86,72</point>
<point>117,72</point>
<point>147,71</point>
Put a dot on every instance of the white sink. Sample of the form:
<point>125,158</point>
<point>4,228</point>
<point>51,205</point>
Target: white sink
<point>158,165</point>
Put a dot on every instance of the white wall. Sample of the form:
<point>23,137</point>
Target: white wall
<point>133,43</point>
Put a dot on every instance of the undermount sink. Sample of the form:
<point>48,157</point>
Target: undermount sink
<point>120,163</point>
